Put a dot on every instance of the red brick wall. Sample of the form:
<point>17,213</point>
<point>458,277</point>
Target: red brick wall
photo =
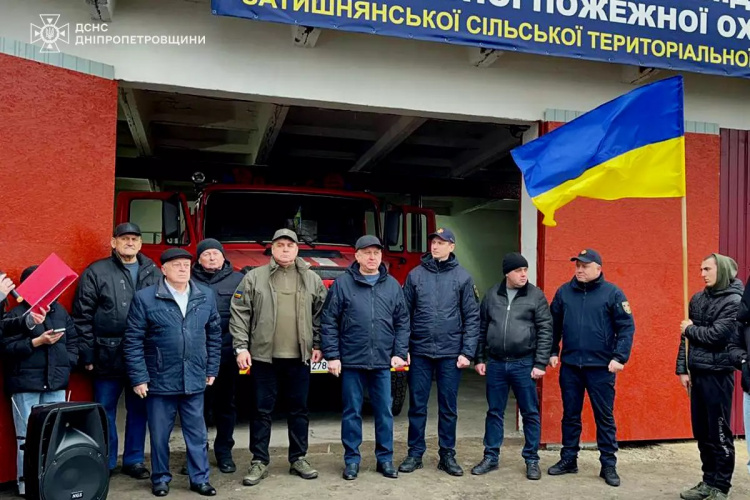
<point>57,165</point>
<point>641,245</point>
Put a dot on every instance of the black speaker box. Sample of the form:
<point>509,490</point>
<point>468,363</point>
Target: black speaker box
<point>66,452</point>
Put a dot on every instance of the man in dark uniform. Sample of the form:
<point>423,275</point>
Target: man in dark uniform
<point>593,318</point>
<point>172,348</point>
<point>444,308</point>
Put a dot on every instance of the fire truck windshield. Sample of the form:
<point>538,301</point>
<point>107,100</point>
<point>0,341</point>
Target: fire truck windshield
<point>253,216</point>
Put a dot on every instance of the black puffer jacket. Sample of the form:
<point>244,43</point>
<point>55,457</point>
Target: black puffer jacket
<point>714,317</point>
<point>444,309</point>
<point>224,283</point>
<point>37,369</point>
<point>522,330</point>
<point>100,310</point>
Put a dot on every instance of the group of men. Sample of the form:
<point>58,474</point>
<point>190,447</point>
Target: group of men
<point>175,339</point>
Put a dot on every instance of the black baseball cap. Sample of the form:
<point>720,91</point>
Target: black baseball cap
<point>175,253</point>
<point>444,234</point>
<point>367,241</point>
<point>588,255</point>
<point>127,228</point>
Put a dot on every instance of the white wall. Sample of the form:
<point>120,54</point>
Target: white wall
<point>259,61</point>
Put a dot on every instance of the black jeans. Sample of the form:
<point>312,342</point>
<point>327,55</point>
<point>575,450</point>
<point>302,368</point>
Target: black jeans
<point>600,385</point>
<point>711,410</point>
<point>291,377</point>
<point>220,399</point>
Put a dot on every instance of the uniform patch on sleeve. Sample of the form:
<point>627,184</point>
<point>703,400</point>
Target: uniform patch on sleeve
<point>626,307</point>
<point>238,295</point>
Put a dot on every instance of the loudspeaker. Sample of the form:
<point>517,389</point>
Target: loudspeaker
<point>66,452</point>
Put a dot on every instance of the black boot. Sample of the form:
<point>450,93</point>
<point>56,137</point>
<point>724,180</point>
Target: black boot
<point>486,465</point>
<point>533,472</point>
<point>563,467</point>
<point>449,465</point>
<point>410,464</point>
<point>387,469</point>
<point>609,474</point>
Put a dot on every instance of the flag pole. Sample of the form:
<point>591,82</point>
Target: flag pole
<point>685,299</point>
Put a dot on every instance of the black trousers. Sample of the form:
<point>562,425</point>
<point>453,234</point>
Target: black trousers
<point>711,410</point>
<point>220,399</point>
<point>290,378</point>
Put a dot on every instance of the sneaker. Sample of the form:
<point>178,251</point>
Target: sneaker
<point>563,467</point>
<point>533,472</point>
<point>486,465</point>
<point>410,464</point>
<point>449,465</point>
<point>609,474</point>
<point>303,469</point>
<point>697,492</point>
<point>717,495</point>
<point>256,473</point>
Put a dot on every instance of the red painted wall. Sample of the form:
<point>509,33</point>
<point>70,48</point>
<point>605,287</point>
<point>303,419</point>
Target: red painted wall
<point>57,165</point>
<point>641,245</point>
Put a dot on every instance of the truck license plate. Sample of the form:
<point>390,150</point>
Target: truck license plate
<point>319,367</point>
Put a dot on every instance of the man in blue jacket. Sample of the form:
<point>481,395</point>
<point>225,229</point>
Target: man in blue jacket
<point>365,333</point>
<point>172,351</point>
<point>593,318</point>
<point>444,308</point>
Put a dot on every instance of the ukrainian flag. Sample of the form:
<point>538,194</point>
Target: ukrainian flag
<point>630,147</point>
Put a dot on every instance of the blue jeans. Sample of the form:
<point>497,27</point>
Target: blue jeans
<point>501,377</point>
<point>162,411</point>
<point>378,383</point>
<point>22,403</point>
<point>107,393</point>
<point>420,383</point>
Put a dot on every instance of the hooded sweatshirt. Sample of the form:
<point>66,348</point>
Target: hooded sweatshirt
<point>713,312</point>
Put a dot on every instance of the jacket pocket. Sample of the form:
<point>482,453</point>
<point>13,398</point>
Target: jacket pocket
<point>108,356</point>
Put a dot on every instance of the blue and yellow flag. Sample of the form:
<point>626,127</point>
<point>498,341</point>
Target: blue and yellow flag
<point>630,147</point>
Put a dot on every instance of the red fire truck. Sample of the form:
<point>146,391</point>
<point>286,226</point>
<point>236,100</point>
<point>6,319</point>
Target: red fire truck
<point>244,217</point>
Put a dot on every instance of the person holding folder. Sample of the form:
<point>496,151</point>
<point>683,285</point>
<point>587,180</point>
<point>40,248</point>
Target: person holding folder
<point>38,353</point>
<point>100,312</point>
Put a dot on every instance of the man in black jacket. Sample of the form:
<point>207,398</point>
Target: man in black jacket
<point>442,301</point>
<point>739,348</point>
<point>515,342</point>
<point>39,352</point>
<point>365,333</point>
<point>709,373</point>
<point>216,272</point>
<point>593,319</point>
<point>100,312</point>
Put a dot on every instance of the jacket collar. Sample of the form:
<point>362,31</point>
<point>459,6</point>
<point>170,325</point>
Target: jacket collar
<point>201,274</point>
<point>162,292</point>
<point>143,261</point>
<point>587,287</point>
<point>432,265</point>
<point>355,272</point>
<point>503,289</point>
<point>299,264</point>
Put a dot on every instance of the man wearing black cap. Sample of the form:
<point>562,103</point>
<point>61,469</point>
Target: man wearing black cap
<point>100,310</point>
<point>365,334</point>
<point>213,270</point>
<point>275,323</point>
<point>172,350</point>
<point>442,301</point>
<point>593,319</point>
<point>515,341</point>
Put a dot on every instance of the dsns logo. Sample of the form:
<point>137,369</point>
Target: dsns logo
<point>49,33</point>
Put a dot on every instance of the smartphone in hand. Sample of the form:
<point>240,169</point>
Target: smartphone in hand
<point>57,331</point>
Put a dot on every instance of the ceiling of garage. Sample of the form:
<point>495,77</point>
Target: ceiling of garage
<point>168,136</point>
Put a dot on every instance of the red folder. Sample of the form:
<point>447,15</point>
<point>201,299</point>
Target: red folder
<point>46,283</point>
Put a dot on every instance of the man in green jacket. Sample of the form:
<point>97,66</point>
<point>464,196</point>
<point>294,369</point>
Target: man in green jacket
<point>275,323</point>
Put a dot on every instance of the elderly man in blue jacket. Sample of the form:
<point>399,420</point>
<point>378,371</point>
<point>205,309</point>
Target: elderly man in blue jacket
<point>365,333</point>
<point>172,351</point>
<point>593,319</point>
<point>444,306</point>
